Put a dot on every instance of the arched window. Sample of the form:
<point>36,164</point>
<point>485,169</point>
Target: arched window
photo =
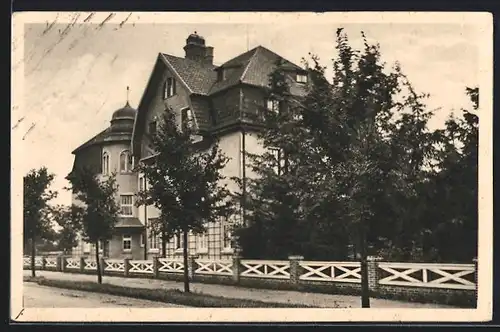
<point>105,163</point>
<point>125,161</point>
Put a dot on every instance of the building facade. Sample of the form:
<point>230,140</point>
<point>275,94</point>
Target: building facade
<point>217,100</point>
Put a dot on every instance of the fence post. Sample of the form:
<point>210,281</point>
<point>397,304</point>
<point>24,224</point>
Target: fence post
<point>126,267</point>
<point>82,264</point>
<point>63,263</point>
<point>192,266</point>
<point>295,268</point>
<point>156,266</point>
<point>474,260</point>
<point>44,262</point>
<point>373,273</point>
<point>58,264</point>
<point>236,266</point>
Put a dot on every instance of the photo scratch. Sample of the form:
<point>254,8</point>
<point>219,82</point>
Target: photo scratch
<point>29,130</point>
<point>88,18</point>
<point>110,16</point>
<point>125,20</point>
<point>17,123</point>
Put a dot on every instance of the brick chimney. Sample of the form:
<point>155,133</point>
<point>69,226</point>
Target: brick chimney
<point>209,55</point>
<point>196,50</point>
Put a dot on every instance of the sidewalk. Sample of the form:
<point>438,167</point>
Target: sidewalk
<point>312,299</point>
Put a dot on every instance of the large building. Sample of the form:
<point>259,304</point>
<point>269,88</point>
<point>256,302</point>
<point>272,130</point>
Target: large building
<point>218,100</point>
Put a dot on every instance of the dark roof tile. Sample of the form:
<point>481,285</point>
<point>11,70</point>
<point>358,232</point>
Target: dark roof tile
<point>198,77</point>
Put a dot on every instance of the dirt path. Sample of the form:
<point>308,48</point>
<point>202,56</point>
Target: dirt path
<point>313,299</point>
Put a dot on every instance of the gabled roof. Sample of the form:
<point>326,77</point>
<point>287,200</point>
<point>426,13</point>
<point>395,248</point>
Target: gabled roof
<point>198,77</point>
<point>252,67</point>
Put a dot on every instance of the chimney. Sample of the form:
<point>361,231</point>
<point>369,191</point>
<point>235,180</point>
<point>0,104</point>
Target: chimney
<point>196,50</point>
<point>209,55</point>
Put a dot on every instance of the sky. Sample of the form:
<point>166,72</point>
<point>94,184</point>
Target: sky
<point>76,72</point>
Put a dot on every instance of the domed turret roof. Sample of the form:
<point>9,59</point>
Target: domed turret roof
<point>194,38</point>
<point>126,112</point>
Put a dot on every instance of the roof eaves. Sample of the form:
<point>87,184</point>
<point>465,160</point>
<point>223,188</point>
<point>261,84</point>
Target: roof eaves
<point>254,55</point>
<point>176,73</point>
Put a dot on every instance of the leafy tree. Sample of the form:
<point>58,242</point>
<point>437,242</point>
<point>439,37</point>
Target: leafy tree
<point>184,182</point>
<point>69,219</point>
<point>99,211</point>
<point>36,208</point>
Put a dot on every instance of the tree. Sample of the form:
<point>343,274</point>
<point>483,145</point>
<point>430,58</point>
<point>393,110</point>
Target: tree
<point>35,208</point>
<point>184,182</point>
<point>69,219</point>
<point>99,211</point>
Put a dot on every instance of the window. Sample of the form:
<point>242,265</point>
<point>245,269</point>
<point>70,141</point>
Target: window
<point>125,161</point>
<point>226,236</point>
<point>187,120</point>
<point>86,247</point>
<point>142,183</point>
<point>273,105</point>
<point>220,75</point>
<point>201,244</point>
<point>178,241</point>
<point>105,163</point>
<point>152,127</point>
<point>301,78</point>
<point>279,160</point>
<point>154,240</point>
<point>127,242</point>
<point>126,205</point>
<point>142,240</point>
<point>170,87</point>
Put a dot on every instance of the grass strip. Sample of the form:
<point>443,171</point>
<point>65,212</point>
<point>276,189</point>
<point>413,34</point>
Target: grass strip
<point>175,296</point>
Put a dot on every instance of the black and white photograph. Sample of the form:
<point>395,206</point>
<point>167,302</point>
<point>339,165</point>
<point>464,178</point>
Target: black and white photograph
<point>254,166</point>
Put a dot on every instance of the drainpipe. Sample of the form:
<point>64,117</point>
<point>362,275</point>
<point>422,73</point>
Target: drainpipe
<point>243,174</point>
<point>145,223</point>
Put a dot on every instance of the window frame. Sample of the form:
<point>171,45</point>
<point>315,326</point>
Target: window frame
<point>278,154</point>
<point>105,163</point>
<point>301,78</point>
<point>150,124</point>
<point>178,242</point>
<point>187,119</point>
<point>273,105</point>
<point>170,88</point>
<point>131,205</point>
<point>126,238</point>
<point>128,162</point>
<point>227,237</point>
<point>199,248</point>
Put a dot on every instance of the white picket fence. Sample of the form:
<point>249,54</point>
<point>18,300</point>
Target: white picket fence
<point>435,275</point>
<point>219,267</point>
<point>449,276</point>
<point>72,263</point>
<point>51,262</point>
<point>265,269</point>
<point>90,264</point>
<point>141,266</point>
<point>114,265</point>
<point>331,271</point>
<point>169,265</point>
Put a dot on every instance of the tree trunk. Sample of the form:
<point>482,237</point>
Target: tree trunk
<point>365,291</point>
<point>33,253</point>
<point>163,244</point>
<point>98,264</point>
<point>185,257</point>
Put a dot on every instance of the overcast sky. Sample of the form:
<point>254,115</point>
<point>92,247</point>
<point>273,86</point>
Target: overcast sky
<point>76,75</point>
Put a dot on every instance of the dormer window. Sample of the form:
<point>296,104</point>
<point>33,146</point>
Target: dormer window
<point>170,87</point>
<point>187,120</point>
<point>301,78</point>
<point>220,75</point>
